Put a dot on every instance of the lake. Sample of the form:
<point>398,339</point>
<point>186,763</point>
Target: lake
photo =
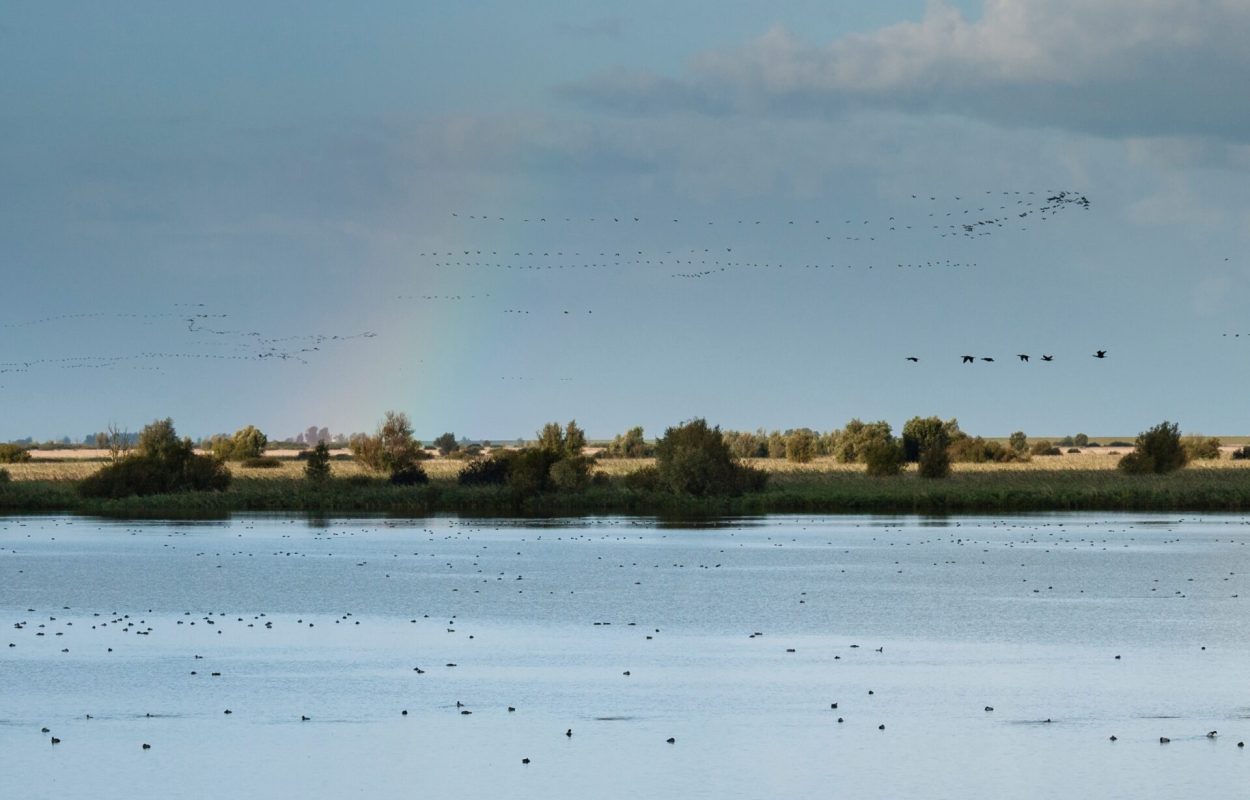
<point>968,657</point>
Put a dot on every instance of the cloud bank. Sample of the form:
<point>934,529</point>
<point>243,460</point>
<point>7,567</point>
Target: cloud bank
<point>1119,68</point>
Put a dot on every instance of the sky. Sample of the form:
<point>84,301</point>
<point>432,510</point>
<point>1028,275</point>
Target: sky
<point>491,215</point>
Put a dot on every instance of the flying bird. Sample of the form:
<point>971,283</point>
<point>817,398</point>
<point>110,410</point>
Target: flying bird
<point>1022,356</point>
<point>913,359</point>
<point>1048,358</point>
<point>986,358</point>
<point>1100,354</point>
<point>968,359</point>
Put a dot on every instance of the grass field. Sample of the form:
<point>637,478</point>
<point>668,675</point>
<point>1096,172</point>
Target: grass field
<point>1087,481</point>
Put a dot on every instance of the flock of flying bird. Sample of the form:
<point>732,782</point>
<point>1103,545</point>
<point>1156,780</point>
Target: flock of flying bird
<point>966,359</point>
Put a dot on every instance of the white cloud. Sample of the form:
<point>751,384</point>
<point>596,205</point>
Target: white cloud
<point>1117,67</point>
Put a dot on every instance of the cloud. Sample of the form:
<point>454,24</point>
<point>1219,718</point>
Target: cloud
<point>1109,67</point>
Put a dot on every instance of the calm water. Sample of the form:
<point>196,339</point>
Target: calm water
<point>734,640</point>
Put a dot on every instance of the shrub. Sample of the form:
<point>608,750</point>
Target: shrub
<point>800,445</point>
<point>1200,448</point>
<point>571,473</point>
<point>162,464</point>
<point>646,479</point>
<point>1241,453</point>
<point>743,444</point>
<point>976,450</point>
<point>317,464</point>
<point>261,462</point>
<point>1048,451</point>
<point>1042,447</point>
<point>447,444</point>
<point>848,444</point>
<point>935,462</point>
<point>392,449</point>
<point>883,457</point>
<point>13,454</point>
<point>1019,442</point>
<point>490,471</point>
<point>4,476</point>
<point>693,459</point>
<point>630,444</point>
<point>776,445</point>
<point>529,471</point>
<point>409,475</point>
<point>1080,440</point>
<point>1074,450</point>
<point>1158,450</point>
<point>926,440</point>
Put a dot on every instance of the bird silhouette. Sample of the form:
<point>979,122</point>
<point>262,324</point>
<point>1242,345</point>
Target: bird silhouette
<point>913,359</point>
<point>987,358</point>
<point>1100,354</point>
<point>1022,356</point>
<point>968,359</point>
<point>1048,358</point>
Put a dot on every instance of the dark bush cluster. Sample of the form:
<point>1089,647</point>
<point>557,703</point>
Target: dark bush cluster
<point>883,457</point>
<point>1241,453</point>
<point>556,464</point>
<point>162,464</point>
<point>261,462</point>
<point>694,459</point>
<point>4,476</point>
<point>1158,451</point>
<point>13,454</point>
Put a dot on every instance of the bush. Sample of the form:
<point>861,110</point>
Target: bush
<point>391,449</point>
<point>162,464</point>
<point>409,475</point>
<point>317,463</point>
<point>1042,447</point>
<point>4,476</point>
<point>884,458</point>
<point>1018,442</point>
<point>975,450</point>
<point>848,444</point>
<point>1048,451</point>
<point>1074,450</point>
<point>935,462</point>
<point>529,471</point>
<point>1241,453</point>
<point>261,462</point>
<point>646,479</point>
<point>1158,450</point>
<point>13,454</point>
<point>800,445</point>
<point>571,473</point>
<point>1200,448</point>
<point>693,459</point>
<point>1080,440</point>
<point>490,471</point>
<point>447,444</point>
<point>743,444</point>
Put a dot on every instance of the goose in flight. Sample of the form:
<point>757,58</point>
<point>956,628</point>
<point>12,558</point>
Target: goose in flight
<point>968,359</point>
<point>1022,356</point>
<point>913,359</point>
<point>1048,358</point>
<point>1100,354</point>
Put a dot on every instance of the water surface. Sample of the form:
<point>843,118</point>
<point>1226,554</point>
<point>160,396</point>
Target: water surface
<point>732,639</point>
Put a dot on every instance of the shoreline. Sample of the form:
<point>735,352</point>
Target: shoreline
<point>819,492</point>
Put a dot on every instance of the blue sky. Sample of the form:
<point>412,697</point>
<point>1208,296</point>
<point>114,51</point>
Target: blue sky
<point>233,215</point>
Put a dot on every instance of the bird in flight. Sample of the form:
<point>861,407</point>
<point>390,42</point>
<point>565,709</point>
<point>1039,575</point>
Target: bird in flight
<point>987,358</point>
<point>1100,354</point>
<point>913,359</point>
<point>1048,358</point>
<point>968,359</point>
<point>1022,356</point>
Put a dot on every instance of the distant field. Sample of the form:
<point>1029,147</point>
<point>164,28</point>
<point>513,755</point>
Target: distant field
<point>1092,459</point>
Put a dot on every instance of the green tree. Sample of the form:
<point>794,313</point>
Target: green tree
<point>848,445</point>
<point>801,445</point>
<point>447,444</point>
<point>883,456</point>
<point>925,440</point>
<point>1158,450</point>
<point>317,467</point>
<point>551,438</point>
<point>693,458</point>
<point>159,441</point>
<point>247,443</point>
<point>1080,440</point>
<point>574,439</point>
<point>391,450</point>
<point>1019,442</point>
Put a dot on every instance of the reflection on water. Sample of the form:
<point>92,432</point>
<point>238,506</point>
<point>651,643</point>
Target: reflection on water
<point>273,657</point>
